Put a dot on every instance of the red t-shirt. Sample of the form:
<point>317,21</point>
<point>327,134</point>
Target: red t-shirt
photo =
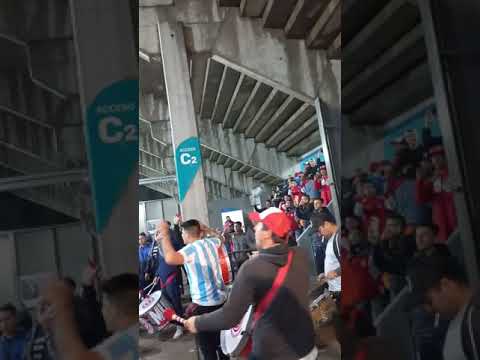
<point>373,206</point>
<point>295,191</point>
<point>358,285</point>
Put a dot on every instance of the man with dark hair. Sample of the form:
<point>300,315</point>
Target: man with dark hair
<point>144,252</point>
<point>327,225</point>
<point>201,259</point>
<point>12,342</point>
<point>120,310</point>
<point>440,284</point>
<point>167,277</point>
<point>305,209</point>
<point>318,206</point>
<point>428,331</point>
<point>240,245</point>
<point>393,253</point>
<point>286,330</point>
<point>319,244</point>
<point>425,237</point>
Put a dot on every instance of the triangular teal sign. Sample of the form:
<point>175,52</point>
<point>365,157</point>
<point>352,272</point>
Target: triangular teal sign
<point>188,160</point>
<point>112,142</point>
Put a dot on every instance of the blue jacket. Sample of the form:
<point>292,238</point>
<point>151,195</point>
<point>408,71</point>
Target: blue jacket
<point>311,191</point>
<point>413,213</point>
<point>13,348</point>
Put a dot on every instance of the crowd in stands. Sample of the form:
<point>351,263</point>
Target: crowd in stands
<point>396,214</point>
<point>300,196</point>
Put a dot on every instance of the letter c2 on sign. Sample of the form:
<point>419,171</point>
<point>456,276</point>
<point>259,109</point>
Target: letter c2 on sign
<point>187,159</point>
<point>111,131</point>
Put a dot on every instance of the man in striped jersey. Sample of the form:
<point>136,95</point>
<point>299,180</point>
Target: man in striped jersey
<point>202,263</point>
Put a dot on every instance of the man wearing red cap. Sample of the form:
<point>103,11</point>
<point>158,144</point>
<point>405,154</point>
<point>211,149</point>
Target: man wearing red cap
<point>437,191</point>
<point>285,330</point>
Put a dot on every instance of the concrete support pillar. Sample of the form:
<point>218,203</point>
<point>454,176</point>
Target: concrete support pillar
<point>188,162</point>
<point>446,25</point>
<point>328,107</point>
<point>103,65</point>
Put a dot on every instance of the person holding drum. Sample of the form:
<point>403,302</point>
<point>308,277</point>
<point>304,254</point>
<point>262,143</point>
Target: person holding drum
<point>276,283</point>
<point>201,259</point>
<point>167,277</point>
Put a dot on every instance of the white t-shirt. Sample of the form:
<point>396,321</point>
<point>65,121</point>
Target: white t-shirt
<point>453,347</point>
<point>332,263</point>
<point>120,346</point>
<point>202,264</point>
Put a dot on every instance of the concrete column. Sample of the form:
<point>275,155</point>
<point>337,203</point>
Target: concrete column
<point>327,152</point>
<point>103,65</point>
<point>456,112</point>
<point>184,126</point>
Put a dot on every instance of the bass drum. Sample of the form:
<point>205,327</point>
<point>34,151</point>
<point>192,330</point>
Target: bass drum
<point>151,311</point>
<point>234,340</point>
<point>225,265</point>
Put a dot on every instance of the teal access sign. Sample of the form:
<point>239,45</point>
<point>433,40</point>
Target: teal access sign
<point>188,160</point>
<point>112,145</point>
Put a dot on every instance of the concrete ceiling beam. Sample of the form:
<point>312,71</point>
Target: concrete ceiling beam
<point>315,36</point>
<point>229,3</point>
<point>277,12</point>
<point>335,49</point>
<point>272,121</point>
<point>260,112</point>
<point>372,27</point>
<point>252,8</point>
<point>204,90</point>
<point>296,136</point>
<point>294,118</point>
<point>307,144</point>
<point>355,85</point>
<point>394,99</point>
<point>233,99</point>
<point>240,118</point>
<point>219,93</point>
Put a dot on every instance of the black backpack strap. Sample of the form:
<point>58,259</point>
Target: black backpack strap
<point>336,247</point>
<point>471,347</point>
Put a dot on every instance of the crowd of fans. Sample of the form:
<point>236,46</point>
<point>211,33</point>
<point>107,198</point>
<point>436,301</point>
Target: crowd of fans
<point>395,214</point>
<point>305,193</point>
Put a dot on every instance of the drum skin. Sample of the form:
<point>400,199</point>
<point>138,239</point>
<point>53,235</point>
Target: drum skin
<point>234,340</point>
<point>152,308</point>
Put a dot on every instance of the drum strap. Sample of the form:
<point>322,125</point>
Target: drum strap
<point>224,265</point>
<point>268,299</point>
<point>167,282</point>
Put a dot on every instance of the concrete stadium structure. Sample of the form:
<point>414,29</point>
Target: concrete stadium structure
<point>254,70</point>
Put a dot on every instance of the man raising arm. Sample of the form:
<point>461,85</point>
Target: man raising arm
<point>201,260</point>
<point>120,310</point>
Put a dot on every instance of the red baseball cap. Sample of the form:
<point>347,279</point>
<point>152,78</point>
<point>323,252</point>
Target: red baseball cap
<point>275,219</point>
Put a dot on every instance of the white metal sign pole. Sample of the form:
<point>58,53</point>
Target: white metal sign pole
<point>108,81</point>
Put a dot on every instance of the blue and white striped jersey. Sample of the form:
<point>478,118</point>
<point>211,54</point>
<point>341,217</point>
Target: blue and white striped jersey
<point>202,265</point>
